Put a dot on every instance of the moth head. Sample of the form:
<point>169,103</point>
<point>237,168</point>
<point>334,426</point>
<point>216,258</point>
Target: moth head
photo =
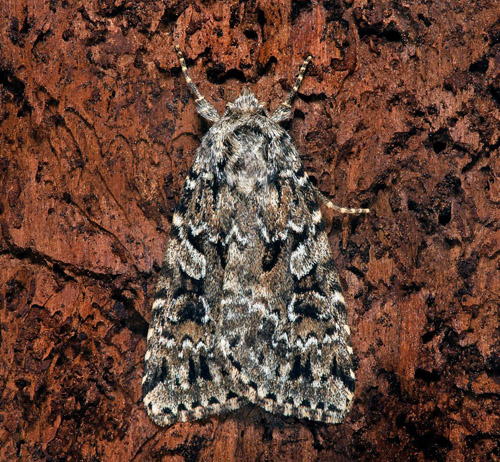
<point>245,103</point>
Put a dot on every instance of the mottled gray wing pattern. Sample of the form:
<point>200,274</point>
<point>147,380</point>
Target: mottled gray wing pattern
<point>182,380</point>
<point>283,331</point>
<point>249,307</point>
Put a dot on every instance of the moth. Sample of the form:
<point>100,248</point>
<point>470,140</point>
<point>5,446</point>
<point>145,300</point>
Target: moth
<point>248,308</point>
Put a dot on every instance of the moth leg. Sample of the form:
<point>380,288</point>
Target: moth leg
<point>205,109</point>
<point>284,110</point>
<point>337,208</point>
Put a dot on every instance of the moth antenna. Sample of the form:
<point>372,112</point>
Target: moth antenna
<point>284,110</point>
<point>205,109</point>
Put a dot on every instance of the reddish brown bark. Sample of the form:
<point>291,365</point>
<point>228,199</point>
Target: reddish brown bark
<point>400,111</point>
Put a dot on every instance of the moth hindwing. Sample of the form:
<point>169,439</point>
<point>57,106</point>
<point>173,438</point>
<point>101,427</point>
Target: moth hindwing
<point>248,307</point>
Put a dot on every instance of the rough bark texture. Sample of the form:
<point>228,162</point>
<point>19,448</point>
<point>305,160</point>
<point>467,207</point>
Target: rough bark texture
<point>400,111</point>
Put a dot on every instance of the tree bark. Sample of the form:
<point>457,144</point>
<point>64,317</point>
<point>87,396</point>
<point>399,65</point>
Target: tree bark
<point>399,111</point>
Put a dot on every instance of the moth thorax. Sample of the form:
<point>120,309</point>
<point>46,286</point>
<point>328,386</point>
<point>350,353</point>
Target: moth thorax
<point>247,168</point>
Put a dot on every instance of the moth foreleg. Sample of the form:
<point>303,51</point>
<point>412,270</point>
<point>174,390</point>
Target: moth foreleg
<point>337,208</point>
